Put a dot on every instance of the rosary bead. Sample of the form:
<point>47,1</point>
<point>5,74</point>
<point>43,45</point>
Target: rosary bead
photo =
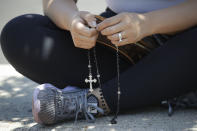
<point>119,92</point>
<point>94,80</point>
<point>89,66</point>
<point>98,76</point>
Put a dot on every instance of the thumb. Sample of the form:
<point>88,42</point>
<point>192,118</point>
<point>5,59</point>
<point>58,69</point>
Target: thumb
<point>89,18</point>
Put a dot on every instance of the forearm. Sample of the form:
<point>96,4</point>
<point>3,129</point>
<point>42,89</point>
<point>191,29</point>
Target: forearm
<point>173,19</point>
<point>61,12</point>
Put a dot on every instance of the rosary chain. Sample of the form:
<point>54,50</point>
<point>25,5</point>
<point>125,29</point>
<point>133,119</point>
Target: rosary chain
<point>118,69</point>
<point>118,82</point>
<point>113,121</point>
<point>97,69</point>
<point>89,63</point>
<point>96,64</point>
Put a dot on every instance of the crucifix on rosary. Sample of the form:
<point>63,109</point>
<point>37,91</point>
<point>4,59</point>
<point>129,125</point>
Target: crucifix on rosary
<point>91,80</point>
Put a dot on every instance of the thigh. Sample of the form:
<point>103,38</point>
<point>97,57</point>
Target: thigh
<point>167,72</point>
<point>41,51</point>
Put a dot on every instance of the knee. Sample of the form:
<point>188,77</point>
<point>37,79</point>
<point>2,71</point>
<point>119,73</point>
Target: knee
<point>17,27</point>
<point>15,32</point>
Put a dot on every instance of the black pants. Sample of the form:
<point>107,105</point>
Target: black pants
<point>41,51</point>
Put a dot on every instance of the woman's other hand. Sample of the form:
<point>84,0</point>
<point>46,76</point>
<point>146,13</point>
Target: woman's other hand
<point>83,30</point>
<point>132,26</point>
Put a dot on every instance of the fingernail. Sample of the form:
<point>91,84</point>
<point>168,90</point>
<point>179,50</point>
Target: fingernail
<point>97,27</point>
<point>93,23</point>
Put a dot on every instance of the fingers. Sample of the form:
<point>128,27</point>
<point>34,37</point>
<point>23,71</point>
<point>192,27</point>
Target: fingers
<point>113,29</point>
<point>89,18</point>
<point>115,37</point>
<point>84,30</point>
<point>81,41</point>
<point>87,39</point>
<point>109,22</point>
<point>120,43</point>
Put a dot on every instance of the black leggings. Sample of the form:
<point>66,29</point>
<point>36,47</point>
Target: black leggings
<point>41,51</point>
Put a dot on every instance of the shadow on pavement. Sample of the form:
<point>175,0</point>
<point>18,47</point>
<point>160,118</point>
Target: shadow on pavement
<point>15,112</point>
<point>15,100</point>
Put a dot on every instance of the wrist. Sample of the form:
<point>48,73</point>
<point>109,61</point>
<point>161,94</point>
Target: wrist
<point>149,27</point>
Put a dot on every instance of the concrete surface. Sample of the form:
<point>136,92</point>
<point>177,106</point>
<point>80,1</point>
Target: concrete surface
<point>16,92</point>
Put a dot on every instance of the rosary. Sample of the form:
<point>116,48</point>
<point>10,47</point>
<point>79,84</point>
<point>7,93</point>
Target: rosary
<point>91,80</point>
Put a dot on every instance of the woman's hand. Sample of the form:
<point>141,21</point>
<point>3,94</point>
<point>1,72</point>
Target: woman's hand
<point>83,30</point>
<point>130,25</point>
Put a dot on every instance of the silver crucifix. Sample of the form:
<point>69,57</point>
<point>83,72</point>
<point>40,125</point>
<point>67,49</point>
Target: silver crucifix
<point>90,80</point>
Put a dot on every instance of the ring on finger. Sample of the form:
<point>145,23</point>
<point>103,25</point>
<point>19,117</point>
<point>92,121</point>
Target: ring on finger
<point>120,37</point>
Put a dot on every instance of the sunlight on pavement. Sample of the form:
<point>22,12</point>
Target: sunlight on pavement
<point>8,70</point>
<point>191,129</point>
<point>91,127</point>
<point>5,126</point>
<point>4,94</point>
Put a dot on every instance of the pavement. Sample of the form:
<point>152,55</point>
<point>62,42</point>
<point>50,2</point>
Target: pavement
<point>16,92</point>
